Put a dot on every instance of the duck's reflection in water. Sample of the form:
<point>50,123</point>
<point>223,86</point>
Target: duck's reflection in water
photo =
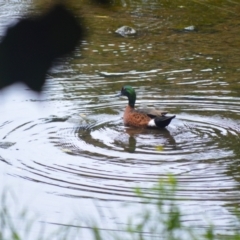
<point>136,134</point>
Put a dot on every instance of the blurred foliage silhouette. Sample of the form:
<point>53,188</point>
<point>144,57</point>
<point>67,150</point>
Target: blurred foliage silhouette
<point>31,46</point>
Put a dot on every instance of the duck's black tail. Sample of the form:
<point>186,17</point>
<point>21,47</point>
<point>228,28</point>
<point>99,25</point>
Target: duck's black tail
<point>163,121</point>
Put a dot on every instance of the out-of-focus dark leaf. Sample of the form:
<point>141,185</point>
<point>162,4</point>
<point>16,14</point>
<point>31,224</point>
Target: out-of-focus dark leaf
<point>30,47</point>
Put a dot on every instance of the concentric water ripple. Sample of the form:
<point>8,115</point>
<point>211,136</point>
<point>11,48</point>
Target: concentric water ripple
<point>96,156</point>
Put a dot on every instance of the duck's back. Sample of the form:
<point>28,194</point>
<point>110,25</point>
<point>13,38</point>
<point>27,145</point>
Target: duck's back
<point>152,112</point>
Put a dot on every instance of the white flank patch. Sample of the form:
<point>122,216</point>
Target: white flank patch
<point>151,123</point>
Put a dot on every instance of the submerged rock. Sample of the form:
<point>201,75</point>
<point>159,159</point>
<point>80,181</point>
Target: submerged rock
<point>187,29</point>
<point>126,31</point>
<point>190,28</point>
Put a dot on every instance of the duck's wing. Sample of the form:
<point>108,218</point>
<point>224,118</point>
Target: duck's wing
<point>151,112</point>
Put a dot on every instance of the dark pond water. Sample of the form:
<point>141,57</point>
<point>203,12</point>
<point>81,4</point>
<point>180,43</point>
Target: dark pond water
<point>67,154</point>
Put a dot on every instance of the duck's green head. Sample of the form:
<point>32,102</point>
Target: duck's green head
<point>129,92</point>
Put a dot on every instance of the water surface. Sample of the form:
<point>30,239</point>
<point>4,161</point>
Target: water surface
<point>68,152</point>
